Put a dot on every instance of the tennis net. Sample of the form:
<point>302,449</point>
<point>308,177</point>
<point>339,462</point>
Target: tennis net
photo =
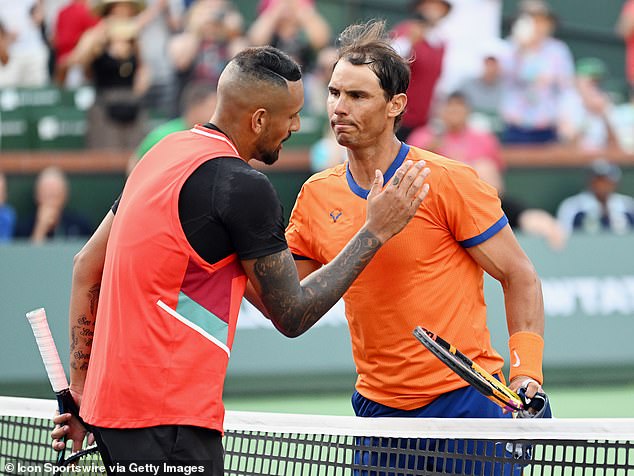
<point>284,444</point>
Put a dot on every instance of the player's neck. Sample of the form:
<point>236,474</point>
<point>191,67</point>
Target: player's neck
<point>363,161</point>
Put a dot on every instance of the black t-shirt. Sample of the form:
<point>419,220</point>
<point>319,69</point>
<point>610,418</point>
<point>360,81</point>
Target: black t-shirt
<point>226,207</point>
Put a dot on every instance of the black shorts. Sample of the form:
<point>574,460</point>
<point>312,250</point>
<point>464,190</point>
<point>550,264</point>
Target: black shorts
<point>170,449</point>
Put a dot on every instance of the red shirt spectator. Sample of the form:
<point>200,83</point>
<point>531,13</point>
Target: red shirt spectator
<point>452,137</point>
<point>72,21</point>
<point>414,38</point>
<point>426,69</point>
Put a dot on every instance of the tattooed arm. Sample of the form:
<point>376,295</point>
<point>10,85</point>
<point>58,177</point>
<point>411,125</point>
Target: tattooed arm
<point>294,307</point>
<point>87,269</point>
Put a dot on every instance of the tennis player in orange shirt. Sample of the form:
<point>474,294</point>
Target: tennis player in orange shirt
<point>429,275</point>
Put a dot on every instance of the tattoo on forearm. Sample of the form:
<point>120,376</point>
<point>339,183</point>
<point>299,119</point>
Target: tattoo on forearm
<point>81,336</point>
<point>294,309</point>
<point>93,295</point>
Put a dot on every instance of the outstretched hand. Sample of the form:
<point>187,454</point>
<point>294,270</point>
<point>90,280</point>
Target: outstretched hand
<point>390,208</point>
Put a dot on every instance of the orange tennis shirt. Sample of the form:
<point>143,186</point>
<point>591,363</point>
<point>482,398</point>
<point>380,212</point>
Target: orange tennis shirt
<point>422,276</point>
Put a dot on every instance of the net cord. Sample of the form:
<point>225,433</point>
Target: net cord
<point>595,429</point>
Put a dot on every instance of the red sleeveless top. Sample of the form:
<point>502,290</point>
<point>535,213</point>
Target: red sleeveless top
<point>166,318</point>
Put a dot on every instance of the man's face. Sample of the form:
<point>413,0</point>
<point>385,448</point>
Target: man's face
<point>357,107</point>
<point>283,121</point>
<point>455,114</point>
<point>51,191</point>
<point>602,187</point>
<point>433,10</point>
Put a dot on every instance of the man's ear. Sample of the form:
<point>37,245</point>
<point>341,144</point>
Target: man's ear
<point>396,105</point>
<point>259,120</point>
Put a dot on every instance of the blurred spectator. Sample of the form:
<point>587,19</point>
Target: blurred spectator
<point>5,42</point>
<point>7,213</point>
<point>414,38</point>
<point>452,136</point>
<point>622,120</point>
<point>73,20</point>
<point>327,152</point>
<point>157,23</point>
<point>532,221</point>
<point>625,27</point>
<point>464,37</point>
<point>587,116</point>
<point>28,54</point>
<point>211,38</point>
<point>599,208</point>
<point>109,53</point>
<point>52,219</point>
<point>539,74</point>
<point>484,92</point>
<point>38,16</point>
<point>316,82</point>
<point>198,105</point>
<point>294,26</point>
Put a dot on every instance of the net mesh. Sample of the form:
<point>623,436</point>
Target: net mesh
<point>282,444</point>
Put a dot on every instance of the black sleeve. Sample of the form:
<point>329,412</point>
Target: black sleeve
<point>251,212</point>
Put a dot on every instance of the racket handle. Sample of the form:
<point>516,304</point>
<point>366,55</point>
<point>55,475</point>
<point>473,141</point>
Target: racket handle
<point>48,351</point>
<point>61,409</point>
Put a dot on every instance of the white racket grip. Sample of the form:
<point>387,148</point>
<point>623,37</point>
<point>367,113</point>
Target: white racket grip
<point>48,351</point>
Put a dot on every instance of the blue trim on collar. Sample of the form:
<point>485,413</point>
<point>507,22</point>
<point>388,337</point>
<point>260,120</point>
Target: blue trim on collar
<point>389,173</point>
<point>482,237</point>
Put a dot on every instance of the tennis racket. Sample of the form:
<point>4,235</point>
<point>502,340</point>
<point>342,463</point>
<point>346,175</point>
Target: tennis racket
<point>65,401</point>
<point>479,378</point>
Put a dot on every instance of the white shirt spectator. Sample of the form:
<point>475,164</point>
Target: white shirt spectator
<point>28,54</point>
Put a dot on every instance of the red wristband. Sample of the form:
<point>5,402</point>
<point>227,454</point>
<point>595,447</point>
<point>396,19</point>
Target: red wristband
<point>526,351</point>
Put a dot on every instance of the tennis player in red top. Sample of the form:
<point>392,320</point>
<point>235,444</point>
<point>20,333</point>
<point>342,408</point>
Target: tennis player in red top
<point>431,274</point>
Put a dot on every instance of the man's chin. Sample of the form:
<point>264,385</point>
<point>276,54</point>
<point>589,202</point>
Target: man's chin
<point>269,159</point>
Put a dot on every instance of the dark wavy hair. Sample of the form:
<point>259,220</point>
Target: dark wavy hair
<point>369,44</point>
<point>266,63</point>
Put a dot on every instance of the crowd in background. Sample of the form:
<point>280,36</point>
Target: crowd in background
<point>471,90</point>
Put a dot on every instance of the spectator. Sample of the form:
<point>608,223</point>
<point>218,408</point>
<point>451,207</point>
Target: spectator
<point>109,53</point>
<point>157,23</point>
<point>294,26</point>
<point>599,208</point>
<point>7,213</point>
<point>464,38</point>
<point>198,104</point>
<point>588,123</point>
<point>625,28</point>
<point>5,42</point>
<point>212,36</point>
<point>484,92</point>
<point>28,55</point>
<point>316,82</point>
<point>622,119</point>
<point>452,136</point>
<point>531,221</point>
<point>73,20</point>
<point>539,74</point>
<point>52,219</point>
<point>414,38</point>
<point>326,152</point>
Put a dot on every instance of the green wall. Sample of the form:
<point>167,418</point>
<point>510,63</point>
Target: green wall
<point>588,293</point>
